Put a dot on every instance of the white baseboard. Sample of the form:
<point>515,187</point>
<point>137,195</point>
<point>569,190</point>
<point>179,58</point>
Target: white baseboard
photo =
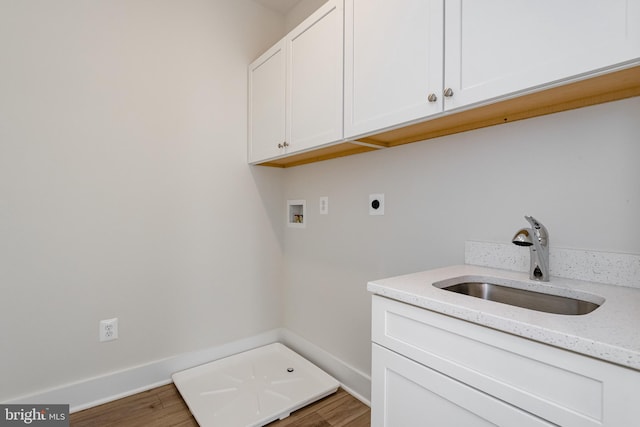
<point>106,388</point>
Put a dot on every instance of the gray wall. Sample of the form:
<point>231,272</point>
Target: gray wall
<point>575,171</point>
<point>301,11</point>
<point>124,188</point>
<point>124,192</point>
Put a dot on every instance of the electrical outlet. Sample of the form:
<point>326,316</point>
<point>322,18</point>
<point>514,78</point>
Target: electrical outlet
<point>376,204</point>
<point>109,329</point>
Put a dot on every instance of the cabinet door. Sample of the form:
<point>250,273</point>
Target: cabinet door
<point>407,394</point>
<point>314,83</point>
<point>393,61</point>
<point>267,104</point>
<point>498,47</point>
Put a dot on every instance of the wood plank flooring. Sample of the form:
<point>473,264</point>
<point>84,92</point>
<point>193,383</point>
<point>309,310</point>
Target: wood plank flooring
<point>164,407</point>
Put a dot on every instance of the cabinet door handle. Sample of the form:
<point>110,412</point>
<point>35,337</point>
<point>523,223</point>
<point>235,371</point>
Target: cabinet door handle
<point>432,97</point>
<point>448,92</point>
<point>283,145</point>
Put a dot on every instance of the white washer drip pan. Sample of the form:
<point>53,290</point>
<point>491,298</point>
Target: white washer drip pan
<point>252,388</point>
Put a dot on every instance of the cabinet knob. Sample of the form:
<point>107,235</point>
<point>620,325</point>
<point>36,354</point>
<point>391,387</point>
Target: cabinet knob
<point>448,92</point>
<point>432,97</point>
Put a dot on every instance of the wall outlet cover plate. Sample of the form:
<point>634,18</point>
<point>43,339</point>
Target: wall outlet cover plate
<point>108,329</point>
<point>376,204</point>
<point>324,205</point>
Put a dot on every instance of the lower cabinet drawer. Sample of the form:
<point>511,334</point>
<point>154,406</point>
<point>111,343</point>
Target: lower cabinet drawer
<point>407,394</point>
<point>560,386</point>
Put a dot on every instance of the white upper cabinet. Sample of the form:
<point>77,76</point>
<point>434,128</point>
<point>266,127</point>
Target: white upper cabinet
<point>409,66</point>
<point>267,104</point>
<point>401,54</point>
<point>499,47</point>
<point>295,88</point>
<point>314,80</point>
<point>393,62</point>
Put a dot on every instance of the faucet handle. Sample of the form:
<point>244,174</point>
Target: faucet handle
<point>534,222</point>
<point>540,230</point>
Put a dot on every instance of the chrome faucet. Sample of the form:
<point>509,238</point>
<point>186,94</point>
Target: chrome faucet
<point>537,239</point>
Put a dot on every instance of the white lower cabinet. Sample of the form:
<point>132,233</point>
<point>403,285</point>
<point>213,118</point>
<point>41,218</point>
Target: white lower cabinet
<point>430,369</point>
<point>408,394</point>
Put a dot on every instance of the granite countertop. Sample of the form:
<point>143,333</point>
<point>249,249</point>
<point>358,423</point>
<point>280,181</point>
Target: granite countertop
<point>610,333</point>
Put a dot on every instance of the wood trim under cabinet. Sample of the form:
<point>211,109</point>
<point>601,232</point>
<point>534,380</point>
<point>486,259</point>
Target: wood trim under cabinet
<point>317,155</point>
<point>595,90</point>
<point>603,88</point>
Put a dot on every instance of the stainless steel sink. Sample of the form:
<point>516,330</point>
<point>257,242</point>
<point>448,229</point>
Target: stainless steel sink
<point>523,298</point>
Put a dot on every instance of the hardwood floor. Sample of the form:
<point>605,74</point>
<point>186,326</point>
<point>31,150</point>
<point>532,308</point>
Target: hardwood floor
<point>164,407</point>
